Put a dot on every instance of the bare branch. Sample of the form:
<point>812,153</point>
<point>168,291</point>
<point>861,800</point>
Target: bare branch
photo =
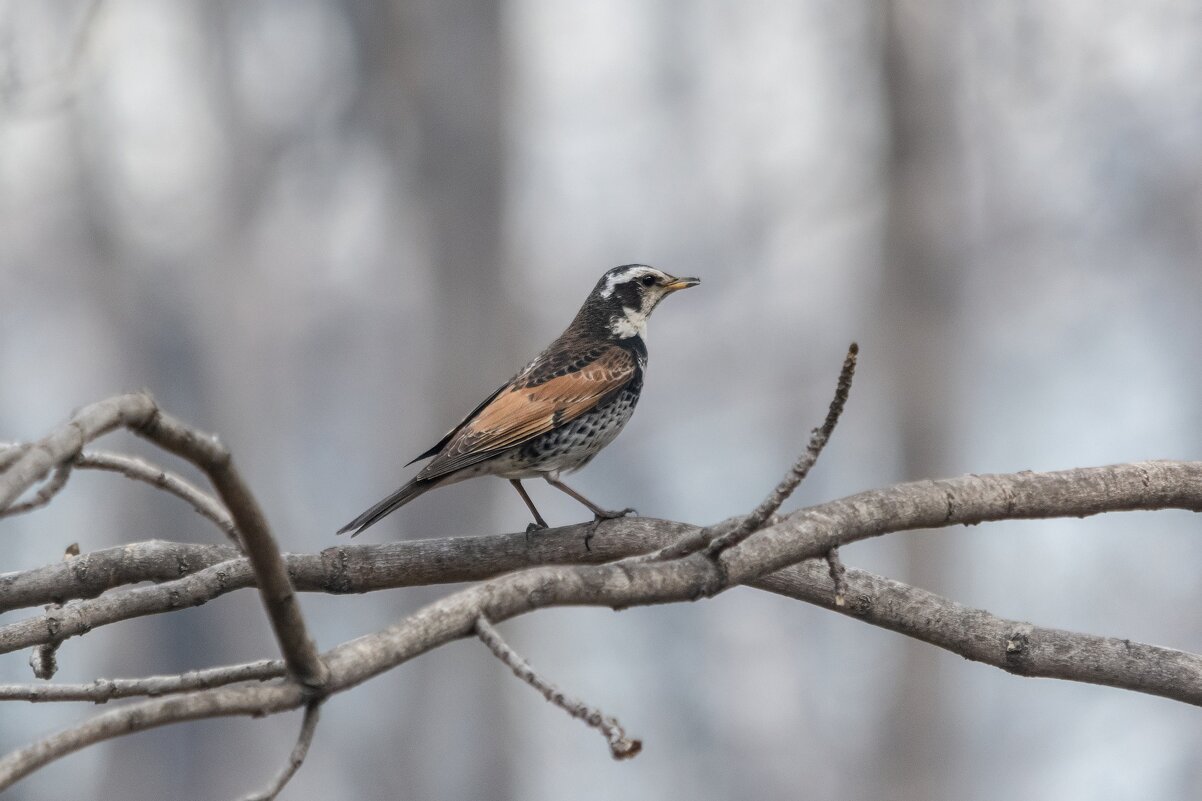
<point>808,533</point>
<point>140,414</point>
<point>838,574</point>
<point>65,443</point>
<point>719,537</point>
<point>805,534</point>
<point>104,690</point>
<point>89,575</point>
<point>279,600</point>
<point>801,468</point>
<point>620,746</point>
<point>255,701</point>
<point>296,758</point>
<point>44,495</point>
<point>11,452</point>
<point>138,470</point>
<point>141,470</point>
<point>44,658</point>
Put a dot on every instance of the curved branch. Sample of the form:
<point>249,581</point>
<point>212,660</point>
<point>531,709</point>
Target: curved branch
<point>141,415</point>
<point>803,534</point>
<point>620,746</point>
<point>140,470</point>
<point>296,758</point>
<point>1018,647</point>
<point>45,493</point>
<point>1042,652</point>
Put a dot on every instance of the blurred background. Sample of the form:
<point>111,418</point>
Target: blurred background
<point>326,228</point>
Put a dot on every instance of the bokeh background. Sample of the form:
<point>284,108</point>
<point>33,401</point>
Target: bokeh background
<point>326,228</point>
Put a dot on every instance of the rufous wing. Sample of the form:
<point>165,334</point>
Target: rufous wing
<point>520,412</point>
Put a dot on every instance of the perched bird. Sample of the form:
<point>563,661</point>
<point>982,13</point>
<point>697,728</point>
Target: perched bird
<point>561,409</point>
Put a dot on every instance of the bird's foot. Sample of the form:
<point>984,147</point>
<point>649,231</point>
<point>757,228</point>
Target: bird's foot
<point>612,514</point>
<point>533,527</point>
<point>601,515</point>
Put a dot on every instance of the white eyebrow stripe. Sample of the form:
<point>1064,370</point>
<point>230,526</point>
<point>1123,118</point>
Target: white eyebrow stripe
<point>628,274</point>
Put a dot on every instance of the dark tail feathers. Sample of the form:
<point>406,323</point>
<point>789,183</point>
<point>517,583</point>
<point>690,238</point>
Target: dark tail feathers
<point>385,507</point>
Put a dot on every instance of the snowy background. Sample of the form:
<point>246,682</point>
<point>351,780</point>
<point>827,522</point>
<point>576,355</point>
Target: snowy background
<point>326,228</point>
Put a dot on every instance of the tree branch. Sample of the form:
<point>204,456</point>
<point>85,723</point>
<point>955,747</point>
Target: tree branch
<point>771,557</point>
<point>140,470</point>
<point>45,493</point>
<point>296,758</point>
<point>140,414</point>
<point>1159,671</point>
<point>620,746</point>
<point>102,691</point>
<point>806,533</point>
<point>801,468</point>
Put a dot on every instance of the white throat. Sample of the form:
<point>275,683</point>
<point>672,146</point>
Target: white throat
<point>632,324</point>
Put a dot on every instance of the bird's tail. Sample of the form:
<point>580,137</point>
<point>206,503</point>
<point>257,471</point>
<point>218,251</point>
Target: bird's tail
<point>385,507</point>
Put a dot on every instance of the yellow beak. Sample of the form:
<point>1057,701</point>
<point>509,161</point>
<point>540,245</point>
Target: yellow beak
<point>681,283</point>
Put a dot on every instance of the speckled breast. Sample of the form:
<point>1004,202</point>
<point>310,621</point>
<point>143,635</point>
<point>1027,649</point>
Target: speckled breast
<point>571,445</point>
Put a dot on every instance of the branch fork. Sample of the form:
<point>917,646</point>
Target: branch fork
<point>795,554</point>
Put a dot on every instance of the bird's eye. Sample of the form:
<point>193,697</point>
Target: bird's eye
<point>648,280</point>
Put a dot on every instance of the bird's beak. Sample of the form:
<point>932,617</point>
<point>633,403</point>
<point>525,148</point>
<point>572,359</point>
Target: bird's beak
<point>681,283</point>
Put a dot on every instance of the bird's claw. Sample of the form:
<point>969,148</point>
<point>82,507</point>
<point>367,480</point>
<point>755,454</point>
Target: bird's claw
<point>602,515</point>
<point>533,527</point>
<point>613,514</point>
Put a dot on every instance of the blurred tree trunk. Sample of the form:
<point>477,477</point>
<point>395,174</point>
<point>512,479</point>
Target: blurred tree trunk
<point>922,262</point>
<point>441,99</point>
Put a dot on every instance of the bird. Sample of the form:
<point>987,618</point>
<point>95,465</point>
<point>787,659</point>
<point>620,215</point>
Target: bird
<point>561,409</point>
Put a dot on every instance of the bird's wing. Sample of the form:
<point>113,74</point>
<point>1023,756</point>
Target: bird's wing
<point>529,406</point>
<point>438,446</point>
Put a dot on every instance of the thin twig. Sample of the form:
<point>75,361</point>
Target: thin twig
<point>102,691</point>
<point>620,746</point>
<point>801,468</point>
<point>296,758</point>
<point>44,495</point>
<point>141,470</point>
<point>44,657</point>
<point>838,574</point>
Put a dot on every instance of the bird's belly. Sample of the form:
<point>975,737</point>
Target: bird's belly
<point>571,445</point>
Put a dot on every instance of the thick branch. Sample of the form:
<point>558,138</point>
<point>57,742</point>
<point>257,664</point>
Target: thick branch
<point>804,534</point>
<point>1046,652</point>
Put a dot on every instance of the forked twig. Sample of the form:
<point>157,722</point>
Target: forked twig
<point>296,758</point>
<point>620,745</point>
<point>801,468</point>
<point>141,415</point>
<point>45,493</point>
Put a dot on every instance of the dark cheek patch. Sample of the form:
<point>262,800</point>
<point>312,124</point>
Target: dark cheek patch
<point>628,292</point>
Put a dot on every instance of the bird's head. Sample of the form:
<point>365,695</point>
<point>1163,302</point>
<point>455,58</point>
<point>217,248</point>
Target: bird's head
<point>625,297</point>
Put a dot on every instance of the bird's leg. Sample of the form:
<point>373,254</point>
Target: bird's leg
<point>599,514</point>
<point>539,524</point>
